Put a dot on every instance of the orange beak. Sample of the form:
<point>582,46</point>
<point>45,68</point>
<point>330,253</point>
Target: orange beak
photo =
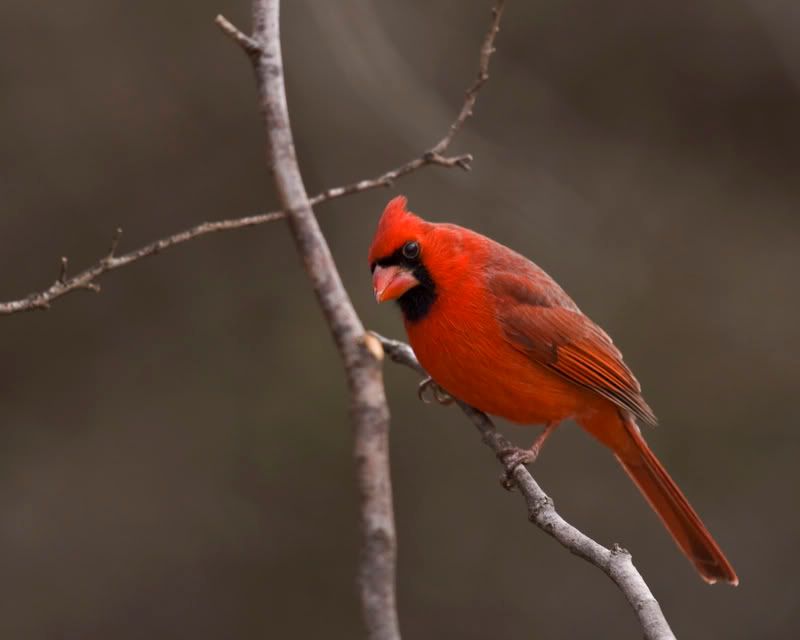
<point>389,283</point>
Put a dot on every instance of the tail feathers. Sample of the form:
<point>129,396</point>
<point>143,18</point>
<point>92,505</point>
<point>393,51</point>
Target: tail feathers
<point>673,508</point>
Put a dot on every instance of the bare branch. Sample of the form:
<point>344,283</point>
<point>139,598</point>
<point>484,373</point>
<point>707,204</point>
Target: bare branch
<point>434,157</point>
<point>360,353</point>
<point>86,278</point>
<point>616,562</point>
<point>487,49</point>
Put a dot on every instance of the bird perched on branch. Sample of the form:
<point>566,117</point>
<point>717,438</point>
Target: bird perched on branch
<point>494,330</point>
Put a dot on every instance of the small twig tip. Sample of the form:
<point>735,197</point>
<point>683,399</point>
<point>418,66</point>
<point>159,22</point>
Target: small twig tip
<point>62,274</point>
<point>248,44</point>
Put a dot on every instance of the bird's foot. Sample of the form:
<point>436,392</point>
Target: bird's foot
<point>512,457</point>
<point>437,393</point>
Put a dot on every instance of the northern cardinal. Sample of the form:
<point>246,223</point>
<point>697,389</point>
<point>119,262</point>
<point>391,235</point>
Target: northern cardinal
<point>497,332</point>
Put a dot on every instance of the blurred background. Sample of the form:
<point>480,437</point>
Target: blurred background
<point>176,451</point>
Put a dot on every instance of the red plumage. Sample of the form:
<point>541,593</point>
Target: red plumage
<point>496,331</point>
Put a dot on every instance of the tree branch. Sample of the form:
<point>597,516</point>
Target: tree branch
<point>616,562</point>
<point>435,156</point>
<point>360,354</point>
<point>487,49</point>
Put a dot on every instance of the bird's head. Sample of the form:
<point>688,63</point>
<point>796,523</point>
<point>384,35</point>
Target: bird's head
<point>398,260</point>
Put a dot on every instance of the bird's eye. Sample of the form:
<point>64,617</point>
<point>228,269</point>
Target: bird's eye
<point>411,250</point>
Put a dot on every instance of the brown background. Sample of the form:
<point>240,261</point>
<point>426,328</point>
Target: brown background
<point>175,457</point>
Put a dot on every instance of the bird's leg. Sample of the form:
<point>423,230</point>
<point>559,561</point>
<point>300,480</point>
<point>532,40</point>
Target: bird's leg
<point>512,457</point>
<point>439,395</point>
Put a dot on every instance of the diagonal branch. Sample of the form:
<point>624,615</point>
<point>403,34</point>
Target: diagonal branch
<point>487,49</point>
<point>616,562</point>
<point>435,156</point>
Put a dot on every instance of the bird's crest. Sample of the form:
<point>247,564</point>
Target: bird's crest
<point>396,226</point>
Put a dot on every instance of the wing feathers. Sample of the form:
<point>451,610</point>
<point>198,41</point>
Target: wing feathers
<point>540,320</point>
<point>605,378</point>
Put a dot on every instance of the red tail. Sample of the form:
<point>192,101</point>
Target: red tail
<point>666,499</point>
<point>674,510</point>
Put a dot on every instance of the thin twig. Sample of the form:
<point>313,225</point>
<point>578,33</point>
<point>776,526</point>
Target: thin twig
<point>435,156</point>
<point>62,275</point>
<point>616,562</point>
<point>487,49</point>
<point>249,45</point>
<point>86,278</point>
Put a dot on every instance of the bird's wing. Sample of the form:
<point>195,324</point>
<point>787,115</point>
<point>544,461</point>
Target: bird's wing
<point>542,322</point>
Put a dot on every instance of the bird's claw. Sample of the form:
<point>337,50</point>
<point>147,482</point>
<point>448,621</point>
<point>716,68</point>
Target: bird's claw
<point>437,393</point>
<point>512,457</point>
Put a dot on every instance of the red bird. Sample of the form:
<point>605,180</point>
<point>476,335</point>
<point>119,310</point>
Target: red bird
<point>496,331</point>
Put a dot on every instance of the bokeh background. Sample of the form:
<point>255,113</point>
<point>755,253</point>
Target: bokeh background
<point>176,453</point>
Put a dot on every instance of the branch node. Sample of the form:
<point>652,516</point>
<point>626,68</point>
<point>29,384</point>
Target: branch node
<point>432,156</point>
<point>507,482</point>
<point>538,506</point>
<point>465,161</point>
<point>384,181</point>
<point>373,345</point>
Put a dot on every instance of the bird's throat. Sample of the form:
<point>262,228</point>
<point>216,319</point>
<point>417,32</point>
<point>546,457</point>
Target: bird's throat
<point>416,303</point>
